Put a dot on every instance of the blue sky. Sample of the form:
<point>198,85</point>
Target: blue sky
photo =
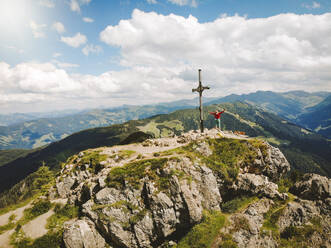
<point>56,54</point>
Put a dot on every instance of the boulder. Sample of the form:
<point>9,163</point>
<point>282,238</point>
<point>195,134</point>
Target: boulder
<point>276,165</point>
<point>64,186</point>
<point>256,185</point>
<point>82,234</point>
<point>312,187</point>
<point>246,226</point>
<point>297,213</point>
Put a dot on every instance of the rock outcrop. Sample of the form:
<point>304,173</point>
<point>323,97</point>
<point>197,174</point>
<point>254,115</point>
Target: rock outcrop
<point>138,199</point>
<point>251,184</point>
<point>82,233</point>
<point>313,187</point>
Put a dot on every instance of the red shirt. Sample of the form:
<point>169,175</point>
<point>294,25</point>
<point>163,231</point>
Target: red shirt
<point>217,115</point>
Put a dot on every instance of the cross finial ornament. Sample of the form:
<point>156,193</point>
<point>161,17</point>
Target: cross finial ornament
<point>200,89</point>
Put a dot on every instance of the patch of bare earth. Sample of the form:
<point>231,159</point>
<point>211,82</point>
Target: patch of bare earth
<point>5,239</point>
<point>37,227</point>
<point>4,219</point>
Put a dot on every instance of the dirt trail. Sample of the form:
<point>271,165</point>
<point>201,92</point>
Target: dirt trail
<point>18,212</point>
<point>37,227</point>
<point>5,239</point>
<point>164,144</point>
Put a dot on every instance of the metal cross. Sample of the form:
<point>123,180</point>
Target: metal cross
<point>200,89</point>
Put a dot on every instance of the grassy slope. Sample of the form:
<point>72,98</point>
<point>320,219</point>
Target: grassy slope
<point>6,156</point>
<point>36,133</point>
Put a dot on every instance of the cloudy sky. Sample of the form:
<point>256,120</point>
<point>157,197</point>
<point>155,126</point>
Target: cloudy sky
<point>59,54</point>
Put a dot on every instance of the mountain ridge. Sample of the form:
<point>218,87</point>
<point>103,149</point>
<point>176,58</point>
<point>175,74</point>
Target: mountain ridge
<point>294,141</point>
<point>36,133</point>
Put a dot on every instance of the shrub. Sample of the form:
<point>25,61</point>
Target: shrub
<point>49,240</point>
<point>39,208</point>
<point>227,241</point>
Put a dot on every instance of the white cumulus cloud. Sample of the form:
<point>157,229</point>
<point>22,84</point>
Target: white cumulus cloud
<point>314,5</point>
<point>192,3</point>
<point>88,19</point>
<point>75,41</point>
<point>37,29</point>
<point>75,4</point>
<point>161,55</point>
<point>91,49</point>
<point>59,27</point>
<point>152,1</point>
<point>237,54</point>
<point>64,64</point>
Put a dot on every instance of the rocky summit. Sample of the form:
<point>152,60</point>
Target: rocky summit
<point>212,189</point>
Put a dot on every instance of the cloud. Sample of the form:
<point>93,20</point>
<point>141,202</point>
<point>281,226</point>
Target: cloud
<point>48,84</point>
<point>237,55</point>
<point>314,5</point>
<point>47,3</point>
<point>161,54</point>
<point>64,64</point>
<point>59,27</point>
<point>152,1</point>
<point>88,19</point>
<point>37,29</point>
<point>91,49</point>
<point>192,3</point>
<point>75,4</point>
<point>75,41</point>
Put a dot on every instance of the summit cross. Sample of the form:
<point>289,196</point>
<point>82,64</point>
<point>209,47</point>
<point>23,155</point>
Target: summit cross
<point>200,89</point>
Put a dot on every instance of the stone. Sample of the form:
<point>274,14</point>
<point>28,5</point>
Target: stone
<point>82,234</point>
<point>108,196</point>
<point>64,187</point>
<point>312,187</point>
<point>256,185</point>
<point>297,213</point>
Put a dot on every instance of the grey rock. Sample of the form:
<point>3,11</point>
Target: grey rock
<point>313,187</point>
<point>247,225</point>
<point>64,187</point>
<point>144,231</point>
<point>276,164</point>
<point>297,213</point>
<point>209,189</point>
<point>101,182</point>
<point>203,148</point>
<point>163,211</point>
<point>82,234</point>
<point>108,196</point>
<point>257,185</point>
<point>193,201</point>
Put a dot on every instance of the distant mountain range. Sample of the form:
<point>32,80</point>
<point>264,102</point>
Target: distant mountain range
<point>306,151</point>
<point>15,118</point>
<point>310,110</point>
<point>318,118</point>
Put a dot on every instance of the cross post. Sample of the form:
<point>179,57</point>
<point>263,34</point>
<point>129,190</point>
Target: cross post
<point>200,89</point>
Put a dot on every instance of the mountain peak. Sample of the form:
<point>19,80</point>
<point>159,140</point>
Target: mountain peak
<point>179,192</point>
